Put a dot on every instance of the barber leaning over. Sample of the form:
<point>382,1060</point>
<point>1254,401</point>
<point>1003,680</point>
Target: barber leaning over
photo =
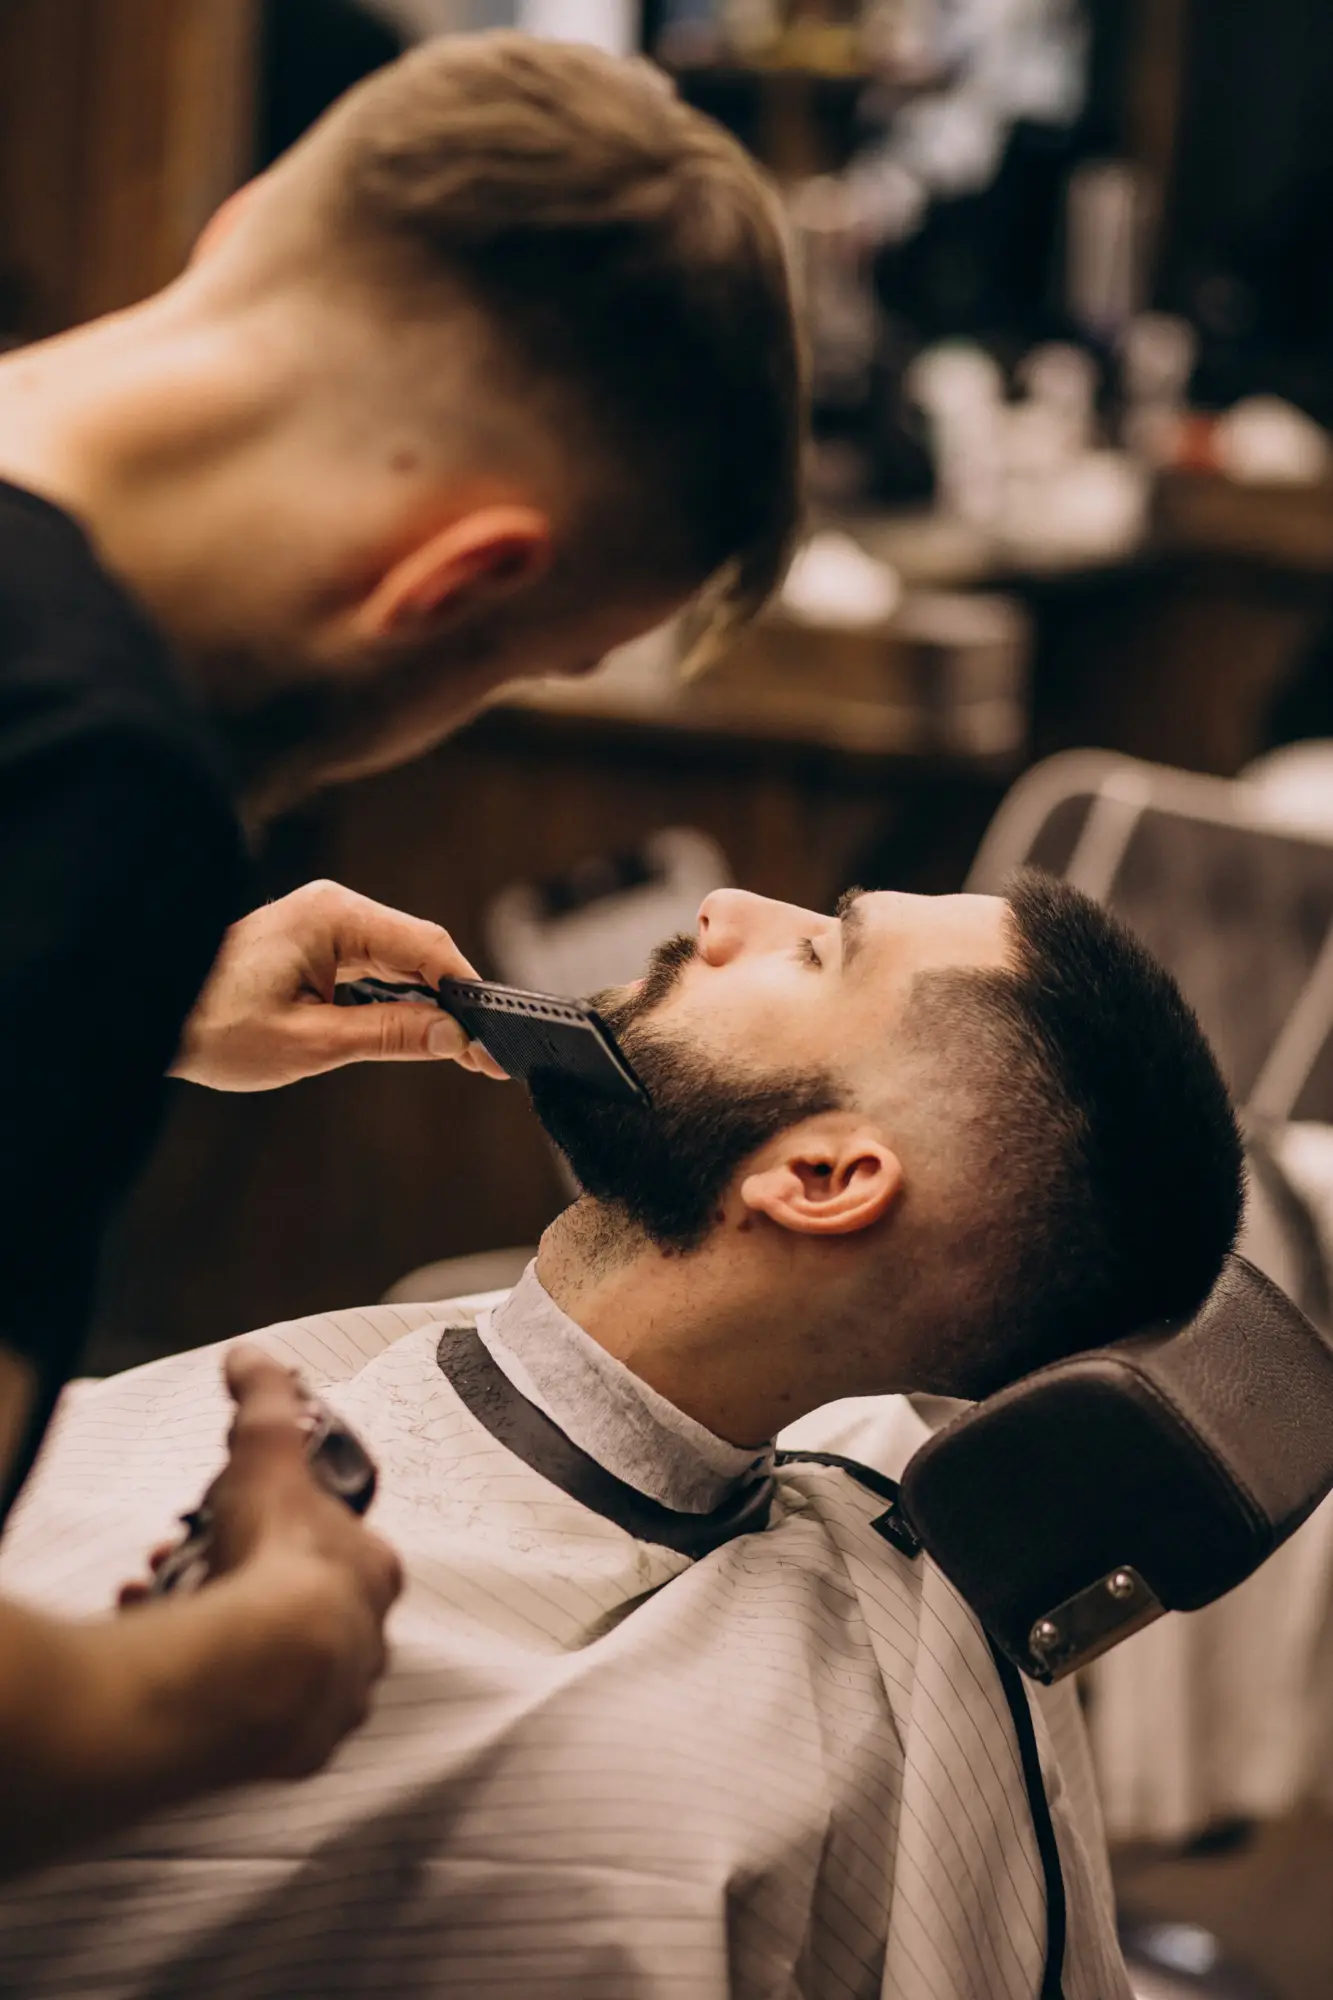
<point>489,374</point>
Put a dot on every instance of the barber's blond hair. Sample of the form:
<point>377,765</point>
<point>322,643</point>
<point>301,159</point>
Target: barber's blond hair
<point>628,257</point>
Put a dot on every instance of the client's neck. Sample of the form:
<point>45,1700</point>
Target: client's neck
<point>709,1329</point>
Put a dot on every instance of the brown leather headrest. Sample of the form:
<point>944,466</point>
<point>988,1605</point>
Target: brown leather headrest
<point>1080,1503</point>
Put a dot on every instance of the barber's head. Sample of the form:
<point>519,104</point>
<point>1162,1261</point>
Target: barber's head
<point>511,330</point>
<point>992,1123</point>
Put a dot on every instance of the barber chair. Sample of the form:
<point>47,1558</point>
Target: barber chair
<point>1077,1505</point>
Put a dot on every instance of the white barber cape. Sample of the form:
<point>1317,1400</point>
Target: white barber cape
<point>600,1767</point>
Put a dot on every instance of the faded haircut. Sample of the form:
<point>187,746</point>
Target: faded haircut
<point>1101,1151</point>
<point>629,264</point>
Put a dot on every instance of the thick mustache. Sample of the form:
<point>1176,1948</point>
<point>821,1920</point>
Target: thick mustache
<point>667,962</point>
<point>665,965</point>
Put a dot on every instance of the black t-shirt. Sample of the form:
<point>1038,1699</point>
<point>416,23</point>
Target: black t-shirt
<point>121,865</point>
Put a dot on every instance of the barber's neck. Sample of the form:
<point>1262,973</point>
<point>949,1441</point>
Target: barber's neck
<point>181,434</point>
<point>732,1332</point>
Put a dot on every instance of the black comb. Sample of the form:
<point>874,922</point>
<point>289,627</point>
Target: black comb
<point>528,1034</point>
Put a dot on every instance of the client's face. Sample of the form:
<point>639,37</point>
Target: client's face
<point>765,1015</point>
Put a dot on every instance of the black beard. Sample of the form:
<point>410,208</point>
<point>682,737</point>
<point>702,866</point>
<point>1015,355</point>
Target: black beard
<point>665,1166</point>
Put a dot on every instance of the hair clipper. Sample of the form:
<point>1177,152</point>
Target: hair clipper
<point>339,1462</point>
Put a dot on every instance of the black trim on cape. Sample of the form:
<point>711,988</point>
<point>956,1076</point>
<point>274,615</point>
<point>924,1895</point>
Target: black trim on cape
<point>1039,1806</point>
<point>529,1433</point>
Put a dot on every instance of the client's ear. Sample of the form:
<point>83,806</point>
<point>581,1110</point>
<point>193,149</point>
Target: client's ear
<point>829,1176</point>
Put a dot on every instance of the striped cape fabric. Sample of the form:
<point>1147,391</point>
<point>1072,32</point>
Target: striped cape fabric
<point>597,1770</point>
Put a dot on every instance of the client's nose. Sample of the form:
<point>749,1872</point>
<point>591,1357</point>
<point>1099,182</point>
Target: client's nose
<point>732,921</point>
<point>726,920</point>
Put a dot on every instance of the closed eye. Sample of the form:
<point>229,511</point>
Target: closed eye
<point>805,948</point>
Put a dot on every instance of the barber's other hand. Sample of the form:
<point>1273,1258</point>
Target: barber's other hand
<point>307,1586</point>
<point>266,1016</point>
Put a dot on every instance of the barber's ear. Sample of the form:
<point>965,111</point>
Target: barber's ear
<point>485,555</point>
<point>825,1178</point>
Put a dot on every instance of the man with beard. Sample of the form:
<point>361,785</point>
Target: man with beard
<point>669,1713</point>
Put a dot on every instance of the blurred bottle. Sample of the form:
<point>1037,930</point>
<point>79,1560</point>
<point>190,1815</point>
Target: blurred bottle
<point>1061,383</point>
<point>1157,356</point>
<point>1108,215</point>
<point>841,317</point>
<point>961,390</point>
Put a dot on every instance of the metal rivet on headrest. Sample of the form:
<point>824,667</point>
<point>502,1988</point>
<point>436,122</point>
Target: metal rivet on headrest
<point>1120,1584</point>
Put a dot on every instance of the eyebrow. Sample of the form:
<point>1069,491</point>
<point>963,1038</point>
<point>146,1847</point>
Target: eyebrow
<point>851,914</point>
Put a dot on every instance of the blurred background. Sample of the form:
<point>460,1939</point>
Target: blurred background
<point>1068,282</point>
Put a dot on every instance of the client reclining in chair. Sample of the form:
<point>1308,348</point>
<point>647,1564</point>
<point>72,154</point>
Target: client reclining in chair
<point>667,1714</point>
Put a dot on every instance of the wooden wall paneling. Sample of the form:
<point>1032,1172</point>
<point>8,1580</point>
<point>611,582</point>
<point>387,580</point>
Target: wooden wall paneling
<point>168,136</point>
<point>41,159</point>
<point>123,125</point>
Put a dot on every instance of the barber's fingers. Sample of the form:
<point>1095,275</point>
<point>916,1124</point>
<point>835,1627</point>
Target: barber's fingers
<point>364,937</point>
<point>141,1591</point>
<point>269,1427</point>
<point>385,1031</point>
<point>355,937</point>
<point>482,1062</point>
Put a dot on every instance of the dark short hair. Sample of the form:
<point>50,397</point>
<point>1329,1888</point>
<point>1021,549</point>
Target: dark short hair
<point>1097,1101</point>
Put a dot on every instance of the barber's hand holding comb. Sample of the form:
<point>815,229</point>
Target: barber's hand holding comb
<point>266,1016</point>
